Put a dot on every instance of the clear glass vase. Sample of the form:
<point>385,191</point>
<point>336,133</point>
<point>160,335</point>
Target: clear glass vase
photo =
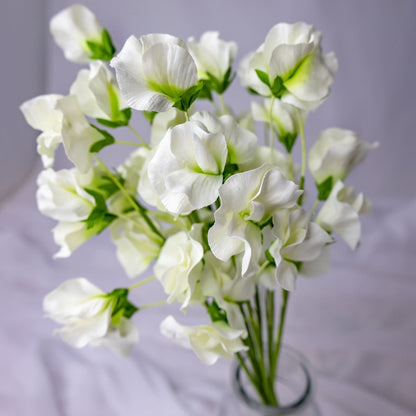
<point>294,386</point>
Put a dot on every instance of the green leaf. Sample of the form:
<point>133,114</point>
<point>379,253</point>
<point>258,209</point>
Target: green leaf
<point>278,88</point>
<point>122,119</point>
<point>122,306</point>
<point>150,115</point>
<point>188,97</point>
<point>103,50</point>
<point>288,140</point>
<point>252,91</point>
<point>269,257</point>
<point>99,217</point>
<point>100,144</point>
<point>229,170</point>
<point>205,91</point>
<point>216,313</point>
<point>263,77</point>
<point>325,188</point>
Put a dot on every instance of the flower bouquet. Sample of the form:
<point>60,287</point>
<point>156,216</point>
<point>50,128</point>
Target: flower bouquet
<point>220,217</point>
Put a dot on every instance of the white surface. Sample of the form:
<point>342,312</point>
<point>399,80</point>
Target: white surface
<point>356,326</point>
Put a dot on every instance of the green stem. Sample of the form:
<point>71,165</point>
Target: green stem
<point>252,378</point>
<point>142,282</point>
<point>303,168</point>
<point>283,308</point>
<point>186,115</point>
<point>314,206</point>
<point>194,217</point>
<point>251,353</point>
<point>271,131</point>
<point>128,143</point>
<point>153,305</point>
<point>270,331</point>
<point>134,203</point>
<point>290,160</point>
<point>138,136</point>
<point>223,106</point>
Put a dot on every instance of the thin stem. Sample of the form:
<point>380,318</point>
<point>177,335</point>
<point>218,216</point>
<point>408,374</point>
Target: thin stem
<point>283,308</point>
<point>153,305</point>
<point>142,282</point>
<point>270,329</point>
<point>290,160</point>
<point>314,206</point>
<point>194,217</point>
<point>223,106</point>
<point>134,131</point>
<point>251,353</point>
<point>182,222</point>
<point>252,378</point>
<point>134,203</point>
<point>186,115</point>
<point>303,168</point>
<point>128,143</point>
<point>271,131</point>
<point>262,267</point>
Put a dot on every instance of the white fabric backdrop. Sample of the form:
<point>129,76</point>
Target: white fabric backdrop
<point>356,325</point>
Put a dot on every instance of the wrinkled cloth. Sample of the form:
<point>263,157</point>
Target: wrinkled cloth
<point>356,326</point>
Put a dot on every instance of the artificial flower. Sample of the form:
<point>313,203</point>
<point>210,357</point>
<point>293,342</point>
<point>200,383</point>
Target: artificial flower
<point>213,57</point>
<point>209,342</point>
<point>61,195</point>
<point>340,213</point>
<point>86,313</point>
<point>178,267</point>
<point>248,198</point>
<point>297,240</point>
<point>77,134</point>
<point>186,170</point>
<point>154,71</point>
<point>241,143</point>
<point>70,235</point>
<point>283,118</point>
<point>77,31</point>
<point>335,154</point>
<point>98,94</point>
<point>136,248</point>
<point>41,114</point>
<point>290,65</point>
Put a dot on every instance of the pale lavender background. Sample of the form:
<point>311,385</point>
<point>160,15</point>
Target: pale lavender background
<point>357,325</point>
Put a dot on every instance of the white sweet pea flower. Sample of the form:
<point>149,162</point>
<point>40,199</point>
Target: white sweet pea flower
<point>212,55</point>
<point>186,170</point>
<point>283,118</point>
<point>241,143</point>
<point>77,31</point>
<point>297,240</point>
<point>70,235</point>
<point>262,155</point>
<point>291,66</point>
<point>209,342</point>
<point>247,198</point>
<point>86,313</point>
<point>336,153</point>
<point>340,213</point>
<point>163,122</point>
<point>154,71</point>
<point>41,114</point>
<point>61,196</point>
<point>77,134</point>
<point>98,94</point>
<point>222,281</point>
<point>178,267</point>
<point>136,248</point>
